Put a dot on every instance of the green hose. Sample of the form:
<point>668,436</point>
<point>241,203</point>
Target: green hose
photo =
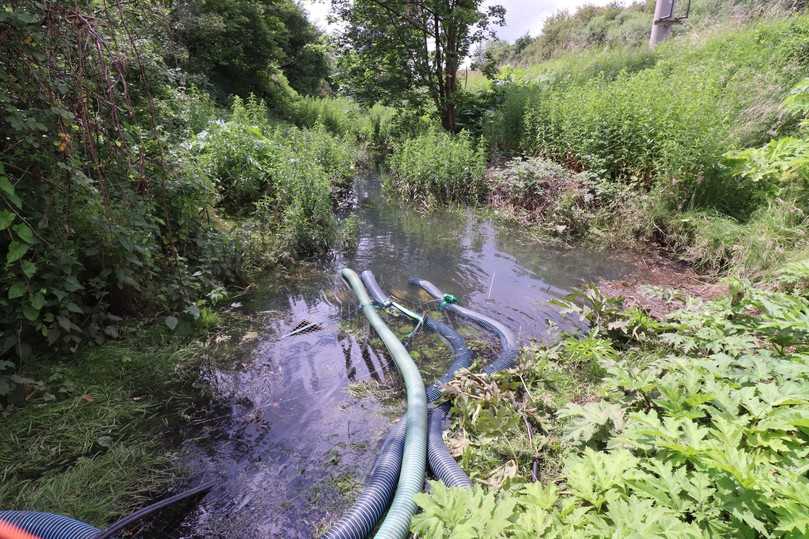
<point>396,524</point>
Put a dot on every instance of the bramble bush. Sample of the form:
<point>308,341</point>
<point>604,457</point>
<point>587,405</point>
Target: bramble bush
<point>114,181</point>
<point>438,167</point>
<point>690,426</point>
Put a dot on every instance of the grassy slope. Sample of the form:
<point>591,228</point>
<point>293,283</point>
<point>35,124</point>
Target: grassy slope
<point>657,125</point>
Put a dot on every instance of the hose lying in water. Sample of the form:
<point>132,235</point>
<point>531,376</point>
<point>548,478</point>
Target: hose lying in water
<point>443,466</point>
<point>377,492</point>
<point>142,513</point>
<point>396,523</point>
<point>508,344</point>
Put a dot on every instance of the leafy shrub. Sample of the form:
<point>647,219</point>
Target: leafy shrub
<point>339,115</point>
<point>696,430</point>
<point>285,179</point>
<point>345,118</point>
<point>541,192</point>
<point>438,167</point>
<point>107,211</point>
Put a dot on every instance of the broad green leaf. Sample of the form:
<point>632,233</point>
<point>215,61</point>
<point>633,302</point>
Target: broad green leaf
<point>38,300</point>
<point>30,313</point>
<point>6,218</point>
<point>28,268</point>
<point>16,290</point>
<point>24,232</point>
<point>16,250</point>
<point>7,189</point>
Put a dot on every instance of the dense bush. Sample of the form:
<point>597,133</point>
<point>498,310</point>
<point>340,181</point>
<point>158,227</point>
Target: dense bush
<point>558,201</point>
<point>96,208</point>
<point>287,179</point>
<point>245,47</point>
<point>692,426</point>
<point>438,167</point>
<point>114,179</point>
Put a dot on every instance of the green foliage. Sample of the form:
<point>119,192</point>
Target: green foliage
<point>92,210</point>
<point>438,167</point>
<point>781,167</point>
<point>111,174</point>
<point>384,53</point>
<point>95,439</point>
<point>671,121</point>
<point>616,26</point>
<point>662,133</point>
<point>240,46</point>
<point>698,428</point>
<point>286,178</point>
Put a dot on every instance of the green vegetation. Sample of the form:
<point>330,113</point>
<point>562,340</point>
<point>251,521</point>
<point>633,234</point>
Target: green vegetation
<point>438,167</point>
<point>242,47</point>
<point>152,200</point>
<point>156,156</point>
<point>95,439</point>
<point>407,52</point>
<point>691,426</point>
<point>133,205</point>
<point>617,26</point>
<point>663,135</point>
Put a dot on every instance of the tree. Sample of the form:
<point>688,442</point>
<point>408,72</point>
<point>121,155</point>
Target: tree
<point>489,59</point>
<point>251,46</point>
<point>410,50</point>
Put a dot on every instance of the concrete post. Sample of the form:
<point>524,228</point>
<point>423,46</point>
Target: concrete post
<point>661,30</point>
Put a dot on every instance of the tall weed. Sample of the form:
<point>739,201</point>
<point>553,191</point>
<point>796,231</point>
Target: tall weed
<point>438,167</point>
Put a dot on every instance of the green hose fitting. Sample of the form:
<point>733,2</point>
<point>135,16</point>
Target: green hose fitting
<point>448,299</point>
<point>396,524</point>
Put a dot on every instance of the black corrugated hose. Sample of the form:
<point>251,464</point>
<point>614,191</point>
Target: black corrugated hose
<point>443,466</point>
<point>359,521</point>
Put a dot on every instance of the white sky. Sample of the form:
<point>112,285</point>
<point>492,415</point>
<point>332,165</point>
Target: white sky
<point>521,15</point>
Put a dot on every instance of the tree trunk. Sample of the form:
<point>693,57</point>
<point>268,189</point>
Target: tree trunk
<point>448,118</point>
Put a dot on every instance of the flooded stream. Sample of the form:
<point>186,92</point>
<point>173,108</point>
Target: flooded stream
<point>295,441</point>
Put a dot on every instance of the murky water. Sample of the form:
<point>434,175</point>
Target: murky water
<point>295,442</point>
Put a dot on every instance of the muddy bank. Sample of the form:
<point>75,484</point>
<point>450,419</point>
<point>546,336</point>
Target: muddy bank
<point>660,285</point>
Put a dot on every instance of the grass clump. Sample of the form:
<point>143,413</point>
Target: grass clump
<point>438,167</point>
<point>688,426</point>
<point>284,180</point>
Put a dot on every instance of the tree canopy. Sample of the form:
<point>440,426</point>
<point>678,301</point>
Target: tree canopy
<point>409,51</point>
<point>284,49</point>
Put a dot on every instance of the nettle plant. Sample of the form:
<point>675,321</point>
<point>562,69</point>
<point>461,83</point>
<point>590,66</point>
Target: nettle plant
<point>781,167</point>
<point>701,430</point>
